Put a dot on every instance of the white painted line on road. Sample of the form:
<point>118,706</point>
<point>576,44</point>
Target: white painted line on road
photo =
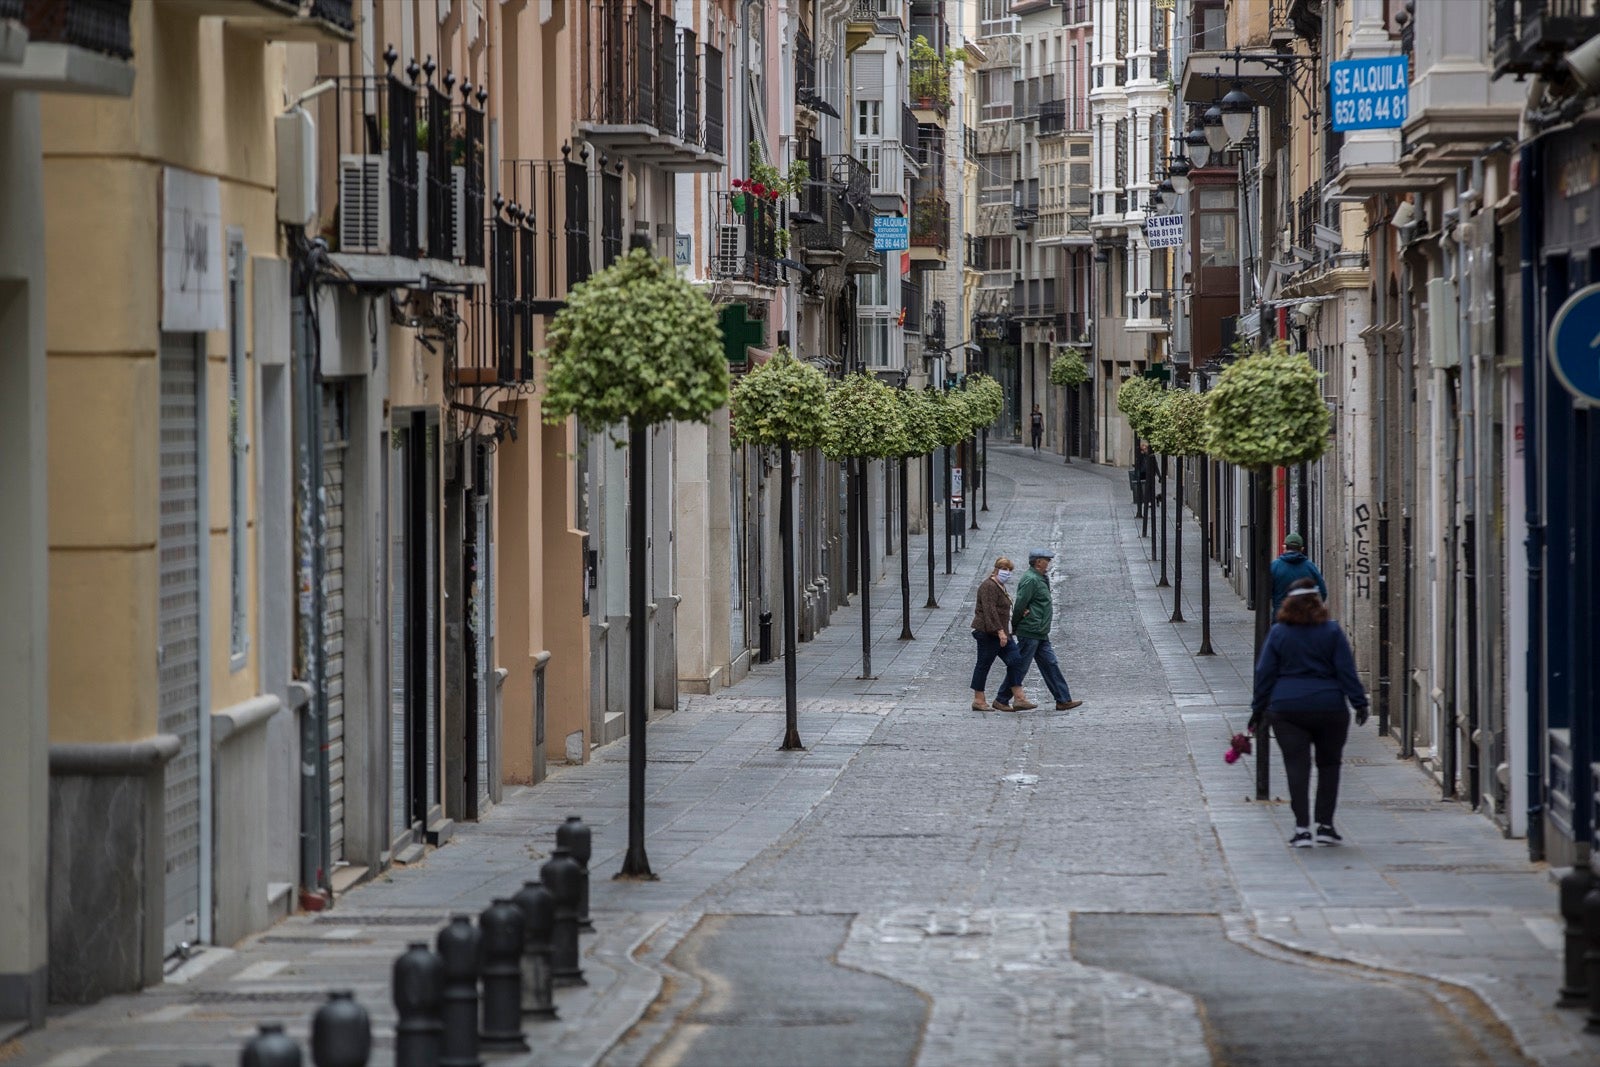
<point>1547,930</point>
<point>167,1014</point>
<point>198,964</point>
<point>343,933</point>
<point>261,970</point>
<point>77,1057</point>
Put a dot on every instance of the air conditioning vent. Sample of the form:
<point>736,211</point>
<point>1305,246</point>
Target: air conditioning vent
<point>730,251</point>
<point>363,205</point>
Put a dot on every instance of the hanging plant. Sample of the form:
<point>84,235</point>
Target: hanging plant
<point>863,418</point>
<point>919,415</point>
<point>1179,426</point>
<point>1136,400</point>
<point>770,183</point>
<point>635,344</point>
<point>1267,411</point>
<point>781,401</point>
<point>1069,369</point>
<point>986,397</point>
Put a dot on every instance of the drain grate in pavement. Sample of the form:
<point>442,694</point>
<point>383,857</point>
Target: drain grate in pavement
<point>419,919</point>
<point>1409,804</point>
<point>1453,868</point>
<point>284,996</point>
<point>322,939</point>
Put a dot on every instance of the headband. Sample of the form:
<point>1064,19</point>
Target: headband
<point>1302,592</point>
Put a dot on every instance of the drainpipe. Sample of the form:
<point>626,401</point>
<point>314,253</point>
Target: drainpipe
<point>1381,260</point>
<point>1466,198</point>
<point>1445,689</point>
<point>1408,489</point>
<point>1531,224</point>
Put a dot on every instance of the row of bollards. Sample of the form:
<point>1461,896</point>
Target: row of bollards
<point>470,993</point>
<point>1579,897</point>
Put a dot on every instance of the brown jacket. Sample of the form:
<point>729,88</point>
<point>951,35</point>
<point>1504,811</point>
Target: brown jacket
<point>994,608</point>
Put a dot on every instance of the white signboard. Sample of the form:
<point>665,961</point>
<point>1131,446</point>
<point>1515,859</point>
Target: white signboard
<point>193,270</point>
<point>1164,231</point>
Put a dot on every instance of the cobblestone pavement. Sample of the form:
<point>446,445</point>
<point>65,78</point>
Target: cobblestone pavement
<point>921,872</point>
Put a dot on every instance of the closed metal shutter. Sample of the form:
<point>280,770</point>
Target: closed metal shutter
<point>335,441</point>
<point>430,709</point>
<point>178,656</point>
<point>481,616</point>
<point>399,661</point>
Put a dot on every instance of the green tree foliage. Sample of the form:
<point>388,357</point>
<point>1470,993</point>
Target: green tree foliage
<point>1069,369</point>
<point>635,344</point>
<point>781,401</point>
<point>1179,426</point>
<point>953,415</point>
<point>1267,411</point>
<point>920,417</point>
<point>1137,400</point>
<point>863,419</point>
<point>986,398</point>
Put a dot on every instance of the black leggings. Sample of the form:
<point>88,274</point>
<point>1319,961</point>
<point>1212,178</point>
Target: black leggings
<point>1298,733</point>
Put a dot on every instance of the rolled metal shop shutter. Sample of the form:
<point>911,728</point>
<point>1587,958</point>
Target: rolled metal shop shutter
<point>335,443</point>
<point>178,617</point>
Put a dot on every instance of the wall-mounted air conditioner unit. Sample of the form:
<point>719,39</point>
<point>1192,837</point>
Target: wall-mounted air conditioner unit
<point>363,205</point>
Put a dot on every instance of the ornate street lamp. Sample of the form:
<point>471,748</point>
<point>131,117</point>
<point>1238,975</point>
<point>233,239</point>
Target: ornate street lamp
<point>1178,174</point>
<point>1238,108</point>
<point>1199,146</point>
<point>1211,123</point>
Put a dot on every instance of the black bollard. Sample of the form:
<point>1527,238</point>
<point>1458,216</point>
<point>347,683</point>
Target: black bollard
<point>1570,893</point>
<point>575,836</point>
<point>502,926</point>
<point>341,1032</point>
<point>418,1003</point>
<point>538,916</point>
<point>271,1047</point>
<point>560,876</point>
<point>461,949</point>
<point>1591,956</point>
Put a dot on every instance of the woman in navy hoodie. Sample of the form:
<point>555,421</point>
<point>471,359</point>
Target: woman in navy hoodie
<point>1304,676</point>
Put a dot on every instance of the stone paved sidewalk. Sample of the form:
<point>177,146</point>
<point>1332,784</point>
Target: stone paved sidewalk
<point>965,852</point>
<point>1423,886</point>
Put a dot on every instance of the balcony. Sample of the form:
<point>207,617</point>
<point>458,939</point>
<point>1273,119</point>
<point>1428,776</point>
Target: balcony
<point>648,90</point>
<point>930,88</point>
<point>748,244</point>
<point>1531,36</point>
<point>406,178</point>
<point>864,21</point>
<point>911,301</point>
<point>930,228</point>
<point>316,21</point>
<point>72,46</point>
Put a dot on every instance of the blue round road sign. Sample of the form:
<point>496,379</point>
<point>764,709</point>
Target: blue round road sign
<point>1575,344</point>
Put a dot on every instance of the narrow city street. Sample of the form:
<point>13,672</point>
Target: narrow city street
<point>931,885</point>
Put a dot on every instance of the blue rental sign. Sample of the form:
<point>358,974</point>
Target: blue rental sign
<point>1575,344</point>
<point>1369,94</point>
<point>890,233</point>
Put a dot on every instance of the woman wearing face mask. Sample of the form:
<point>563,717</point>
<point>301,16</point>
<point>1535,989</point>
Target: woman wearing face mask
<point>990,629</point>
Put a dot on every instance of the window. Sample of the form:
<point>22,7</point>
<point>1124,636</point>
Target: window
<point>997,253</point>
<point>1217,227</point>
<point>869,118</point>
<point>994,177</point>
<point>997,18</point>
<point>876,341</point>
<point>998,94</point>
<point>873,289</point>
<point>871,154</point>
<point>1210,23</point>
<point>238,449</point>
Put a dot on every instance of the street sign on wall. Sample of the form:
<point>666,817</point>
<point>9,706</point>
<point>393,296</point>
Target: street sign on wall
<point>1575,344</point>
<point>1369,94</point>
<point>890,233</point>
<point>1164,231</point>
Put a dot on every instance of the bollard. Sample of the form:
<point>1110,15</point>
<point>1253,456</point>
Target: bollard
<point>560,876</point>
<point>538,915</point>
<point>502,926</point>
<point>461,949</point>
<point>1570,893</point>
<point>1591,956</point>
<point>271,1047</point>
<point>341,1032</point>
<point>418,1002</point>
<point>574,834</point>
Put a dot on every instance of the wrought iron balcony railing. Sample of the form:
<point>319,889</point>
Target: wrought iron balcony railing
<point>644,76</point>
<point>96,25</point>
<point>930,222</point>
<point>1530,36</point>
<point>11,9</point>
<point>747,238</point>
<point>340,13</point>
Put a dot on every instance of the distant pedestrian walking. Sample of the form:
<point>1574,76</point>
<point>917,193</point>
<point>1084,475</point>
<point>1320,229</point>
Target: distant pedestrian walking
<point>1292,566</point>
<point>1147,472</point>
<point>991,628</point>
<point>1305,675</point>
<point>1036,424</point>
<point>1030,620</point>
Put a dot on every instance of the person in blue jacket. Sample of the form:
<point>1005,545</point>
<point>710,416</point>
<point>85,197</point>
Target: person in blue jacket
<point>1290,567</point>
<point>1304,676</point>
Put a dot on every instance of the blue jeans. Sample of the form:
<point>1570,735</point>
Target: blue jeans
<point>988,651</point>
<point>1036,650</point>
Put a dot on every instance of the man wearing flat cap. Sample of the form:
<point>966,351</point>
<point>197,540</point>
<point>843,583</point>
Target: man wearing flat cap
<point>1030,622</point>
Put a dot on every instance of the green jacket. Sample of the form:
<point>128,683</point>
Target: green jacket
<point>1030,612</point>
